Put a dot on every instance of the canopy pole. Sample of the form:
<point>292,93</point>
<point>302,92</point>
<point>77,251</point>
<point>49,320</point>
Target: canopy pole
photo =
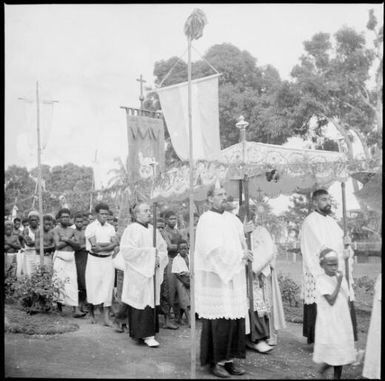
<point>154,223</point>
<point>41,232</point>
<point>343,192</point>
<point>240,192</point>
<point>191,219</point>
<point>249,270</point>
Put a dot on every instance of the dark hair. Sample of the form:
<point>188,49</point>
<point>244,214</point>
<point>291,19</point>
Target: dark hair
<point>323,253</point>
<point>115,219</point>
<point>24,220</point>
<point>85,215</point>
<point>169,213</point>
<point>16,219</point>
<point>61,211</point>
<point>111,212</point>
<point>78,215</point>
<point>318,192</point>
<point>182,241</point>
<point>47,217</point>
<point>101,206</point>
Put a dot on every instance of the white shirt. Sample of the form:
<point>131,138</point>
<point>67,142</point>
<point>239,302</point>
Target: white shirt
<point>102,233</point>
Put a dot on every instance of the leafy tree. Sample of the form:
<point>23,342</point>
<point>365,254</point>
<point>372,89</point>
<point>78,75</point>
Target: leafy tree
<point>297,211</point>
<point>244,89</point>
<point>70,180</point>
<point>19,187</point>
<point>332,78</point>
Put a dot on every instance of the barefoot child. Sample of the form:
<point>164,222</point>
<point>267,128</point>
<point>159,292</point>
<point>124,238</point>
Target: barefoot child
<point>180,267</point>
<point>334,340</point>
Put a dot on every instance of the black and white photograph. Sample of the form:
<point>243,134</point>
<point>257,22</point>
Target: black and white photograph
<point>193,190</point>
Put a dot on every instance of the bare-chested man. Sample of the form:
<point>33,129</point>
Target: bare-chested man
<point>64,265</point>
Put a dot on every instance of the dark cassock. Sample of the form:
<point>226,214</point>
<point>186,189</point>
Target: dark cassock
<point>136,247</point>
<point>221,299</point>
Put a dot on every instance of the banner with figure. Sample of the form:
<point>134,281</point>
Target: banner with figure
<point>146,146</point>
<point>205,116</point>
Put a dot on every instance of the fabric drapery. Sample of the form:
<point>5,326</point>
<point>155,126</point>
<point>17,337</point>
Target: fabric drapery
<point>145,145</point>
<point>205,116</point>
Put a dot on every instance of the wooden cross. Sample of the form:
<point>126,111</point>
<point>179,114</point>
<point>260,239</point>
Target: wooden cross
<point>141,97</point>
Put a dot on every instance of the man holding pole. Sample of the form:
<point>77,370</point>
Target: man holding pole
<point>221,297</point>
<point>143,262</point>
<point>320,230</point>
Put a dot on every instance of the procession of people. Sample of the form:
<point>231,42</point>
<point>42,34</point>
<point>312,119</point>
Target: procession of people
<point>155,271</point>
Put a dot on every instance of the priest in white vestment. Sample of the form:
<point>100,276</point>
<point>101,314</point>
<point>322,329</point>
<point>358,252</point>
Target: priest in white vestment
<point>221,296</point>
<point>319,230</point>
<point>142,260</point>
<point>268,309</point>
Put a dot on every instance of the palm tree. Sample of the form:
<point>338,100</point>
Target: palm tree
<point>120,177</point>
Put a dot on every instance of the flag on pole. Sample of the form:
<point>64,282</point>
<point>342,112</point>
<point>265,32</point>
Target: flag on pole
<point>205,116</point>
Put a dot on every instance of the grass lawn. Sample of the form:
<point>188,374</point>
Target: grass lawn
<point>18,321</point>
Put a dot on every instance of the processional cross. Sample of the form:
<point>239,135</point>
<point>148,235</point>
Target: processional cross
<point>141,97</point>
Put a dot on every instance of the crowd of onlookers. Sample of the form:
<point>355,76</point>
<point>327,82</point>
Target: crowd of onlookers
<point>22,255</point>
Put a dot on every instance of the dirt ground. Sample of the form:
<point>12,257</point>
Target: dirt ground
<point>95,351</point>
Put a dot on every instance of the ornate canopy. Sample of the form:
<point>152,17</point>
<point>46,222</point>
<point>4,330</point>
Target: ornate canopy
<point>272,170</point>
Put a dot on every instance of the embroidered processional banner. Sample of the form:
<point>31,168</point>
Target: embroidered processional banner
<point>146,150</point>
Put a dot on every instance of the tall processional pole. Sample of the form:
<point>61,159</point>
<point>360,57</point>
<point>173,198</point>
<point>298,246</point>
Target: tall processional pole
<point>41,246</point>
<point>244,185</point>
<point>39,177</point>
<point>193,29</point>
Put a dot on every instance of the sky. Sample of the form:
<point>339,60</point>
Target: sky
<point>88,57</point>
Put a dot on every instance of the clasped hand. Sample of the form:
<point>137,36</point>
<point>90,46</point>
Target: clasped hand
<point>248,227</point>
<point>247,255</point>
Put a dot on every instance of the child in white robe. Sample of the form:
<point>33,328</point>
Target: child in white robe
<point>334,339</point>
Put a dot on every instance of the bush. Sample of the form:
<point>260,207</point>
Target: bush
<point>364,283</point>
<point>289,289</point>
<point>36,293</point>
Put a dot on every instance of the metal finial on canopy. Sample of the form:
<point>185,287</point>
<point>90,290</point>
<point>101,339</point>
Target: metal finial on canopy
<point>242,125</point>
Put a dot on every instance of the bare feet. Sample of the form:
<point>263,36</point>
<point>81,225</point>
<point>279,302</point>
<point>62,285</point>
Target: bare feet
<point>118,327</point>
<point>170,325</point>
<point>108,323</point>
